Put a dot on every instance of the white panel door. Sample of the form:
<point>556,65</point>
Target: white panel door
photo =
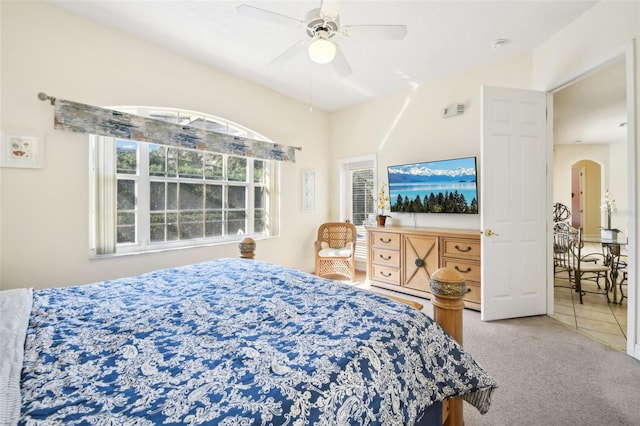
<point>513,203</point>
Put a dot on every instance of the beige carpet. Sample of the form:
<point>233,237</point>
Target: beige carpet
<point>548,374</point>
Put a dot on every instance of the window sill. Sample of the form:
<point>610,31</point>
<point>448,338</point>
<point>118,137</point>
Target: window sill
<point>235,242</point>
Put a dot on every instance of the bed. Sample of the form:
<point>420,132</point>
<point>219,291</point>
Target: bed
<point>228,342</point>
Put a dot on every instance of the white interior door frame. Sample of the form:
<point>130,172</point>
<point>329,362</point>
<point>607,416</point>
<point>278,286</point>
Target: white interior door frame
<point>626,52</point>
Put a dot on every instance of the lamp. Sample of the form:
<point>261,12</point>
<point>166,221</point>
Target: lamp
<point>321,50</point>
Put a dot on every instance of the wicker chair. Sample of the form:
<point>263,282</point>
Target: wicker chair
<point>335,249</point>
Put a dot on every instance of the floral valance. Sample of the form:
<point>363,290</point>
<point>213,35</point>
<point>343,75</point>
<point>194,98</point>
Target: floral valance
<point>82,118</point>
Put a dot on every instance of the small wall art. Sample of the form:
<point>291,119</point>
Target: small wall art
<point>21,149</point>
<point>308,190</point>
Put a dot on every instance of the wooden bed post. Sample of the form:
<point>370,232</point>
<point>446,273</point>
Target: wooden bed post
<point>247,248</point>
<point>448,288</point>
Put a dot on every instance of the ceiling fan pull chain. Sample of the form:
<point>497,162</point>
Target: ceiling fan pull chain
<point>311,92</point>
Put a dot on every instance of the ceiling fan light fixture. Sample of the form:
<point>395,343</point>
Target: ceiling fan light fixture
<point>322,51</point>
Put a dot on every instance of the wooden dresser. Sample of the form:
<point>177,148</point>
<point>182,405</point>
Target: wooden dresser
<point>403,258</point>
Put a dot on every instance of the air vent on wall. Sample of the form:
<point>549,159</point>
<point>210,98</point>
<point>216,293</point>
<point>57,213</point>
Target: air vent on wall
<point>453,110</point>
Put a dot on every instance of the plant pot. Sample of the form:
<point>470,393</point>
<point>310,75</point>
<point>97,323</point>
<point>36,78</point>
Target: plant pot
<point>381,220</point>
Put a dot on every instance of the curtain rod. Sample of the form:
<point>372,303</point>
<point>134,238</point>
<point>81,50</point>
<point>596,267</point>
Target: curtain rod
<point>44,97</point>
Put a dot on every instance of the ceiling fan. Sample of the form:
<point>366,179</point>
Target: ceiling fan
<point>321,25</point>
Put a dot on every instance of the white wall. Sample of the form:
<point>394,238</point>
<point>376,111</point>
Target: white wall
<point>44,217</point>
<point>612,160</point>
<point>618,181</point>
<point>408,127</point>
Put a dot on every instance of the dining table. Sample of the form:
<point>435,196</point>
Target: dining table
<point>611,249</point>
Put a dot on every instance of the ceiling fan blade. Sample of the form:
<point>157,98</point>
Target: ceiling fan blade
<point>340,63</point>
<point>330,8</point>
<point>267,15</point>
<point>291,52</point>
<point>375,32</point>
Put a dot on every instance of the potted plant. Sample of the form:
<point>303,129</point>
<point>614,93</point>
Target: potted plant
<point>382,204</point>
<point>608,205</point>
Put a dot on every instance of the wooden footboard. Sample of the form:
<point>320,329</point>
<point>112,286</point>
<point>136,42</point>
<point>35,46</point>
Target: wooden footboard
<point>448,288</point>
<point>411,303</point>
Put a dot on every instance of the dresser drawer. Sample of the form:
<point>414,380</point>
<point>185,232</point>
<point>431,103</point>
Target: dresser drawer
<point>474,293</point>
<point>460,248</point>
<point>385,240</point>
<point>385,257</point>
<point>469,270</point>
<point>386,274</point>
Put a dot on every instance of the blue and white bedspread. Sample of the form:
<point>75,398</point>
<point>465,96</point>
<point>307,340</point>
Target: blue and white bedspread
<point>236,342</point>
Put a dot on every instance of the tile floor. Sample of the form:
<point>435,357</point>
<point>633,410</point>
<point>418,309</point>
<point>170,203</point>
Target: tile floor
<point>602,321</point>
<point>595,317</point>
<point>606,322</point>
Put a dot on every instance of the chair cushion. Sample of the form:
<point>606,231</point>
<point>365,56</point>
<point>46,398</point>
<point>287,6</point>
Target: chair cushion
<point>593,267</point>
<point>335,252</point>
<point>591,258</point>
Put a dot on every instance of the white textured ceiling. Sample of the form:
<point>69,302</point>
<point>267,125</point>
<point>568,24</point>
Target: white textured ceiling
<point>444,37</point>
<point>593,109</point>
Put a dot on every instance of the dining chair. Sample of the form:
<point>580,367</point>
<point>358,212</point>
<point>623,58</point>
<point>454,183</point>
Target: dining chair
<point>561,250</point>
<point>619,270</point>
<point>624,275</point>
<point>591,267</point>
<point>568,256</point>
<point>561,213</point>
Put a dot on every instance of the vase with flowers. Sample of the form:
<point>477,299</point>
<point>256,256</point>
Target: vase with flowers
<point>382,205</point>
<point>608,205</point>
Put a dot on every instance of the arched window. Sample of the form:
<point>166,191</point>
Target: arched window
<point>148,197</point>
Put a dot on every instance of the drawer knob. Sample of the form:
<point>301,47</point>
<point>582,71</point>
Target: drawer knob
<point>462,250</point>
<point>387,275</point>
<point>385,258</point>
<point>419,263</point>
<point>387,241</point>
<point>460,270</point>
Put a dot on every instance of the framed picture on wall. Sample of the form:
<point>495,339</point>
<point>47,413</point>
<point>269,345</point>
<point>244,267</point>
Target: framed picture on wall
<point>21,149</point>
<point>308,190</point>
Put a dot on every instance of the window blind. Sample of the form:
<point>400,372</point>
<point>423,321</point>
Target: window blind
<point>362,205</point>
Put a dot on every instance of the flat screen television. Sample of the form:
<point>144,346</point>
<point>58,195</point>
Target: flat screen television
<point>444,186</point>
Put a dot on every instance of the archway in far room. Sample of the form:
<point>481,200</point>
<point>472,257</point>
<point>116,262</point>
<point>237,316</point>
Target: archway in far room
<point>586,191</point>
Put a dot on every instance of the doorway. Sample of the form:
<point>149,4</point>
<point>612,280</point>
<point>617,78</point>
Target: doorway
<point>586,192</point>
<point>357,182</point>
<point>577,196</point>
<point>591,155</point>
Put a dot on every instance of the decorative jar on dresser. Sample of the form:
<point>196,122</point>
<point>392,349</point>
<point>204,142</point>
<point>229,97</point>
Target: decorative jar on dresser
<point>403,258</point>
